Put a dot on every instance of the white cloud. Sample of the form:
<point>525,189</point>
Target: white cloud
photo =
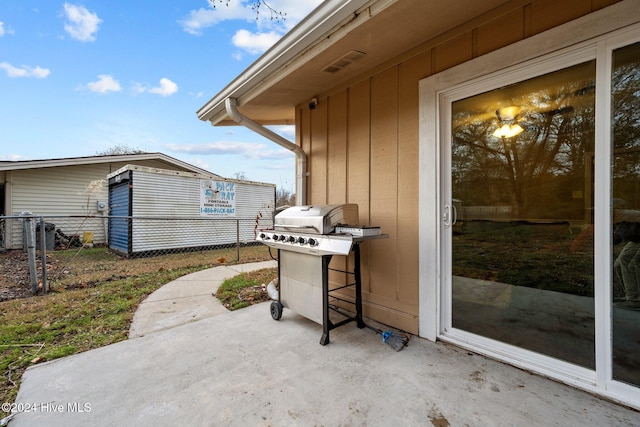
<point>81,25</point>
<point>295,10</point>
<point>166,88</point>
<point>248,150</point>
<point>198,20</point>
<point>288,131</point>
<point>5,30</point>
<point>24,71</point>
<point>105,84</point>
<point>13,157</point>
<point>196,161</point>
<point>254,43</point>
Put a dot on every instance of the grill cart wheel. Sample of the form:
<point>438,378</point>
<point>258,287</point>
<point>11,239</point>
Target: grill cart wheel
<point>276,310</point>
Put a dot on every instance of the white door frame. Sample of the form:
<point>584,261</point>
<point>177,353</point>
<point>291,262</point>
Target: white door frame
<point>595,34</point>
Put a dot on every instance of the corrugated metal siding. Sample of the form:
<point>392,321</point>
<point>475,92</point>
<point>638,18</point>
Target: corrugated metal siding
<point>256,203</point>
<point>61,191</point>
<point>165,195</point>
<point>119,227</point>
<point>161,195</point>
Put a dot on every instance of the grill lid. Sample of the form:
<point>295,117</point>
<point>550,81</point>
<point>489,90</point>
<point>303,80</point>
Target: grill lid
<point>316,219</point>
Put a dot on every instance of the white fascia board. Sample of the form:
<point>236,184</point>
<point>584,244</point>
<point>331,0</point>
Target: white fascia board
<point>327,17</point>
<point>75,161</point>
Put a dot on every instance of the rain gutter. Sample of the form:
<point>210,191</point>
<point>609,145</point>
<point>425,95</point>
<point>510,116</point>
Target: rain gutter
<point>231,105</point>
<point>329,17</point>
<point>332,20</point>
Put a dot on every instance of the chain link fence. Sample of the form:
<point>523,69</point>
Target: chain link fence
<point>42,252</point>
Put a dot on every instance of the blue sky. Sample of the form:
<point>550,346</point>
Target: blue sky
<point>78,78</point>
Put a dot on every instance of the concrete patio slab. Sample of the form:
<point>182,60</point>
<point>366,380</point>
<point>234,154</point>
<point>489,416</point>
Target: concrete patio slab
<point>243,368</point>
<point>192,362</point>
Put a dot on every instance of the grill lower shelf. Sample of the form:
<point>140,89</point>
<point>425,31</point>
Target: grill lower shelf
<point>304,289</point>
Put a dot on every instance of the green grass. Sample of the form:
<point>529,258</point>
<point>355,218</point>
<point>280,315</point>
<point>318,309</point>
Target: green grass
<point>94,295</point>
<point>245,289</point>
<point>535,256</point>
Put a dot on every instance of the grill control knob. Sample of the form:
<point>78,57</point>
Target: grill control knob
<point>302,240</point>
<point>291,239</point>
<point>312,242</point>
<point>263,236</point>
<point>281,237</point>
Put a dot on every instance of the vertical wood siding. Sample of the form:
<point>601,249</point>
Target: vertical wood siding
<point>362,143</point>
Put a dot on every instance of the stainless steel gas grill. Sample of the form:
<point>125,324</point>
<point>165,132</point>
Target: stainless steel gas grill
<point>307,237</point>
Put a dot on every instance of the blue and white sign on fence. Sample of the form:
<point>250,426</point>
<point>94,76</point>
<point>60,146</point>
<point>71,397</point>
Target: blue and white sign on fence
<point>217,198</point>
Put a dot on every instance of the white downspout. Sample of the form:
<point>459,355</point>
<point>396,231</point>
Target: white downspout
<point>231,104</point>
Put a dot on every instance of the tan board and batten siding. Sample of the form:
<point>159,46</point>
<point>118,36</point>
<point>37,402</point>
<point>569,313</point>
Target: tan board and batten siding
<point>59,190</point>
<point>362,142</point>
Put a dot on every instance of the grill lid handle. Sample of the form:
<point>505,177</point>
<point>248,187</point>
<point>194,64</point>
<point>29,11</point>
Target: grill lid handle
<point>297,226</point>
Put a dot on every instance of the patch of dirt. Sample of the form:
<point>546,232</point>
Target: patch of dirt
<point>14,274</point>
<point>79,268</point>
<point>254,294</point>
<point>248,295</point>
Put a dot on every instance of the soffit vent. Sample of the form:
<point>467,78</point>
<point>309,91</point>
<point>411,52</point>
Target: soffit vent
<point>343,61</point>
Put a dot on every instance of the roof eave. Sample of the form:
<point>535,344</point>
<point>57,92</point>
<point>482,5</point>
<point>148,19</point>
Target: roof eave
<point>323,20</point>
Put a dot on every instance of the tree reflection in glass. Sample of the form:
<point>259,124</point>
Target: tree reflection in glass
<point>625,187</point>
<point>522,246</point>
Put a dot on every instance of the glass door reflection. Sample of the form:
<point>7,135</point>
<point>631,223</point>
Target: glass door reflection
<point>522,247</point>
<point>625,175</point>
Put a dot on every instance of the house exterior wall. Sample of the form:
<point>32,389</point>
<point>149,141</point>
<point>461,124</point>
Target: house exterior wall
<point>54,191</point>
<point>57,191</point>
<point>362,145</point>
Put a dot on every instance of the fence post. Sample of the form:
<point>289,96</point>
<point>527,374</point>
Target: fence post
<point>237,240</point>
<point>28,230</point>
<point>3,236</point>
<point>43,254</point>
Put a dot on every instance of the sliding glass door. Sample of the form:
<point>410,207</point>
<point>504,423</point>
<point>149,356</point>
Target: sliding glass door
<point>625,203</point>
<point>521,214</point>
<point>540,220</point>
<point>532,235</point>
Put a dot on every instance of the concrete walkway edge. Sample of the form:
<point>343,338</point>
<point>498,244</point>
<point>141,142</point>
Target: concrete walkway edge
<point>187,299</point>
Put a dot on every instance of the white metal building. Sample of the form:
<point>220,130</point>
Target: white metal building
<point>59,187</point>
<point>154,209</point>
